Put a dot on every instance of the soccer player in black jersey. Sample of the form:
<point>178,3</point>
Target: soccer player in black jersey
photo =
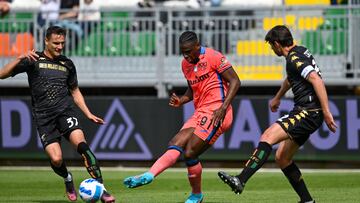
<point>293,130</point>
<point>54,88</point>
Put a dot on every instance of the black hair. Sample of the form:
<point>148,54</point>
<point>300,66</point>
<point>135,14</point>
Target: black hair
<point>55,30</point>
<point>188,37</point>
<point>280,34</point>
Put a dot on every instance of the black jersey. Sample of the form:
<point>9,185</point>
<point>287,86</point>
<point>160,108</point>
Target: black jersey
<point>299,64</point>
<point>50,81</point>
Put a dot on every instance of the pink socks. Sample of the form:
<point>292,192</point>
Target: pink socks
<point>168,159</point>
<point>194,175</point>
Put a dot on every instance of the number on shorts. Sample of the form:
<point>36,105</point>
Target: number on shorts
<point>203,120</point>
<point>72,121</point>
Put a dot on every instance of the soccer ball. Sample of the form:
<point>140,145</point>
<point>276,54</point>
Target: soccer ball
<point>90,190</point>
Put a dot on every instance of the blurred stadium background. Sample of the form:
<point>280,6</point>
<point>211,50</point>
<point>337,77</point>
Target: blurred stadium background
<point>128,62</point>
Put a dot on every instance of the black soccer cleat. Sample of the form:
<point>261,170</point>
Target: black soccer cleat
<point>107,197</point>
<point>232,181</point>
<point>312,201</point>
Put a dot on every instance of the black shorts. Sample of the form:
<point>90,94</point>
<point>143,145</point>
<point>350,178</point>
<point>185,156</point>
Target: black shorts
<point>299,124</point>
<point>52,128</point>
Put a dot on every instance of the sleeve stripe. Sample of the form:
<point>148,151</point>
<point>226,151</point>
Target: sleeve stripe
<point>305,72</point>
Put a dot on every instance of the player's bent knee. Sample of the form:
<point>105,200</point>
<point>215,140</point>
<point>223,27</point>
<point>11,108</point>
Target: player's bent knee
<point>56,161</point>
<point>281,160</point>
<point>190,154</point>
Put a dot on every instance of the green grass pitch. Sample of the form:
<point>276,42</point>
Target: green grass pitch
<point>43,186</point>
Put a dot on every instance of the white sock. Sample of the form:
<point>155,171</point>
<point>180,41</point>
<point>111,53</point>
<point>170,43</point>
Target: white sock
<point>68,178</point>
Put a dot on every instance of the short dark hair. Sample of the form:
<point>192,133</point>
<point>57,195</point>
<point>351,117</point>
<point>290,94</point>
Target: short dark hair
<point>280,34</point>
<point>188,36</point>
<point>55,30</point>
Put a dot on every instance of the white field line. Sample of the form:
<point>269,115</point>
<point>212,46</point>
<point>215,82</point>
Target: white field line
<point>143,169</point>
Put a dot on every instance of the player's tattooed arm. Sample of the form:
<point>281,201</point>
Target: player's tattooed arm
<point>232,78</point>
<point>80,102</point>
<point>7,70</point>
<point>176,101</point>
<point>275,102</point>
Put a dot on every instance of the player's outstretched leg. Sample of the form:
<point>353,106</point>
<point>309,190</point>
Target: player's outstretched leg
<point>139,180</point>
<point>92,165</point>
<point>70,188</point>
<point>68,180</point>
<point>236,185</point>
<point>195,198</point>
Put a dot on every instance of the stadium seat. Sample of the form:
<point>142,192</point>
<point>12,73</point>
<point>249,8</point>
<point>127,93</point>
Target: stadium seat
<point>15,44</point>
<point>5,49</point>
<point>91,45</point>
<point>336,43</point>
<point>132,44</point>
<point>253,48</point>
<point>115,21</point>
<point>313,41</point>
<point>306,2</point>
<point>260,72</point>
<point>16,22</point>
<point>335,19</point>
<point>24,42</point>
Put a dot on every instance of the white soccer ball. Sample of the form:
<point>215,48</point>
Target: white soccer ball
<point>90,190</point>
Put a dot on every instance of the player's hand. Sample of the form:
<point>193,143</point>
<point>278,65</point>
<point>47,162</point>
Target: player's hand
<point>274,104</point>
<point>329,120</point>
<point>31,55</point>
<point>174,100</point>
<point>218,116</point>
<point>96,119</point>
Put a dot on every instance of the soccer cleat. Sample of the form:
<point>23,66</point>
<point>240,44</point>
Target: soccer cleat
<point>312,201</point>
<point>195,198</point>
<point>70,190</point>
<point>139,180</point>
<point>107,198</point>
<point>232,181</point>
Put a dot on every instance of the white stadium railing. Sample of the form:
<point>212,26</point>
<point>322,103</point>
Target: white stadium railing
<point>139,47</point>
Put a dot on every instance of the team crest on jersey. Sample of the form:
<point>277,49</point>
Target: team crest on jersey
<point>202,65</point>
<point>298,64</point>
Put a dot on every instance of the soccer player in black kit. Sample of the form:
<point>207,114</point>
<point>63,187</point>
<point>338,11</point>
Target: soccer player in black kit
<point>54,88</point>
<point>293,130</point>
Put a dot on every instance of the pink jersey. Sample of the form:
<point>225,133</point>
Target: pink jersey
<point>208,87</point>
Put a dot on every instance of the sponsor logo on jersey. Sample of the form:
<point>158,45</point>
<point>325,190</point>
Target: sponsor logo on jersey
<point>199,79</point>
<point>52,66</point>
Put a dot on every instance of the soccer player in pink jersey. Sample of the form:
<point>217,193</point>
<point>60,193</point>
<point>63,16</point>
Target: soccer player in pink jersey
<point>212,85</point>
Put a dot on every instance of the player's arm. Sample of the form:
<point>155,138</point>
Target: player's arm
<point>176,101</point>
<point>233,80</point>
<point>275,102</point>
<point>8,69</point>
<point>320,91</point>
<point>80,102</point>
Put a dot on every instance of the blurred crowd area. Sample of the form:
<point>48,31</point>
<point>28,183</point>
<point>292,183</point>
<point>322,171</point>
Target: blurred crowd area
<point>141,35</point>
<point>7,5</point>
